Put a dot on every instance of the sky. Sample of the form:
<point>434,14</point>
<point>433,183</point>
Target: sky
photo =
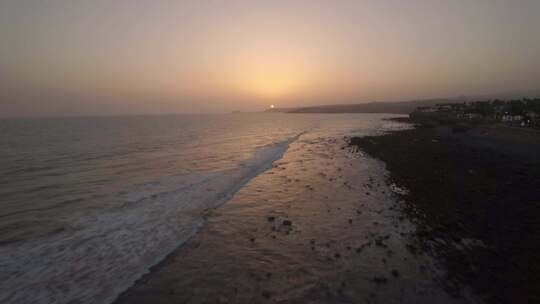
<point>79,57</point>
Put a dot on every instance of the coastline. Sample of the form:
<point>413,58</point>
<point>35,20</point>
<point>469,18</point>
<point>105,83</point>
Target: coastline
<point>321,226</point>
<point>473,192</point>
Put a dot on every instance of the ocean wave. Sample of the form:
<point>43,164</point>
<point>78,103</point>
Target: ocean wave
<point>105,251</point>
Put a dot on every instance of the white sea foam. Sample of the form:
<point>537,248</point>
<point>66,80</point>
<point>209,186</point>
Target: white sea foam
<point>86,211</point>
<point>101,254</point>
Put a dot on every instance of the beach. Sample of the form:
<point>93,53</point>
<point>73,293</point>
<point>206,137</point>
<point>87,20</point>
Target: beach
<point>90,213</point>
<point>473,192</point>
<point>276,208</point>
<point>323,225</point>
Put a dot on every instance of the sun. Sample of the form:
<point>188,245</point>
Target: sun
<point>271,106</point>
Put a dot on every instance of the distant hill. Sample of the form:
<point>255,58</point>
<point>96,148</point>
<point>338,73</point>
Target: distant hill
<point>399,107</point>
<point>402,107</point>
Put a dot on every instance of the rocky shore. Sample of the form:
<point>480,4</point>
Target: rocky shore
<point>474,192</point>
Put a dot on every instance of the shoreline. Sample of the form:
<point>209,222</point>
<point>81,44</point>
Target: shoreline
<point>320,226</point>
<point>473,192</point>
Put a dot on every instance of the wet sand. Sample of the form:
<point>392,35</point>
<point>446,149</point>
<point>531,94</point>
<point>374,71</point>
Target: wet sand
<point>474,193</point>
<point>321,226</point>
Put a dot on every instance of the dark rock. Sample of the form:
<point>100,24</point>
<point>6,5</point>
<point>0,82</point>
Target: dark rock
<point>411,248</point>
<point>379,242</point>
<point>380,280</point>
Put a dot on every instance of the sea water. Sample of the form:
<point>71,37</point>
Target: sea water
<point>89,204</point>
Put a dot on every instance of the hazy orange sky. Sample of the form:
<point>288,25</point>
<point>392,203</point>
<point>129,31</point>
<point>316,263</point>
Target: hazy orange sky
<point>112,57</point>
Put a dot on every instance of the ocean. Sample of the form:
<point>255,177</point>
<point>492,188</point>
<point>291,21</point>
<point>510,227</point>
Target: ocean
<point>89,204</point>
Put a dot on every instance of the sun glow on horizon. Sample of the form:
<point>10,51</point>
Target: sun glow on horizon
<point>269,79</point>
<point>267,67</point>
<point>271,85</point>
<point>155,56</point>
